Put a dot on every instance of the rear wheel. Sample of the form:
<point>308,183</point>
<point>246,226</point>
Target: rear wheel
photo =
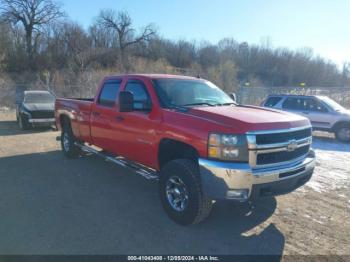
<point>181,192</point>
<point>343,133</point>
<point>68,142</point>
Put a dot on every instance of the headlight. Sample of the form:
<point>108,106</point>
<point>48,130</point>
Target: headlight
<point>228,147</point>
<point>25,111</point>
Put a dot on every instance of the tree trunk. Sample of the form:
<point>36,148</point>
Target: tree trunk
<point>124,59</point>
<point>29,48</point>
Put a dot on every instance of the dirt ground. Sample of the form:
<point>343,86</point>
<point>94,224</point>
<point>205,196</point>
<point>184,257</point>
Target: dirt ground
<point>51,205</point>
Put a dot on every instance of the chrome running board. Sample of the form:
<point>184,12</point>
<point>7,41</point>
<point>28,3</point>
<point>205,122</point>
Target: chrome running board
<point>144,171</point>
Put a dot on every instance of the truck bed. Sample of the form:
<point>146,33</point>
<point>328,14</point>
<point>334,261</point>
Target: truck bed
<point>80,110</point>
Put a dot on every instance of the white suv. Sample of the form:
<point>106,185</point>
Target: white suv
<point>324,113</point>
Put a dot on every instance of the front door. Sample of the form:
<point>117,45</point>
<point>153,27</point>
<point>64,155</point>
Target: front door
<point>319,115</point>
<point>135,131</point>
<point>311,108</point>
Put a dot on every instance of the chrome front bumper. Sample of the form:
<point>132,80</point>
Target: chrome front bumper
<point>238,181</point>
<point>42,120</point>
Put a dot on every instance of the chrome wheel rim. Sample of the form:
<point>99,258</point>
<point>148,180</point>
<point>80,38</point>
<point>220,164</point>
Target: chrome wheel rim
<point>177,193</point>
<point>344,134</point>
<point>66,142</point>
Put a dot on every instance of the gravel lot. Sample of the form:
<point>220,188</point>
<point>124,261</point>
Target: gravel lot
<point>51,205</point>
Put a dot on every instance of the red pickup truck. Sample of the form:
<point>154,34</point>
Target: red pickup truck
<point>192,137</point>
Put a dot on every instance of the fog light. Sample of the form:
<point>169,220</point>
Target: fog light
<point>239,194</point>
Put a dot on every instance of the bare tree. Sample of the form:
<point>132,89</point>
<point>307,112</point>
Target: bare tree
<point>126,35</point>
<point>33,15</point>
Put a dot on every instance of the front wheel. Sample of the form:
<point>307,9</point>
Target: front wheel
<point>181,192</point>
<point>343,133</point>
<point>68,142</point>
<point>23,122</point>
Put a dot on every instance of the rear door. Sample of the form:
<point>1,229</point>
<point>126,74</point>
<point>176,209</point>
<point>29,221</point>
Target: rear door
<point>103,114</point>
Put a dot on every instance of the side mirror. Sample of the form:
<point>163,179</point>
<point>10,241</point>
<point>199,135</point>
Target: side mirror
<point>126,101</point>
<point>233,96</point>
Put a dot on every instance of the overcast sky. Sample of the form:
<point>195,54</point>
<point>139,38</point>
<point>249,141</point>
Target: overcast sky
<point>323,25</point>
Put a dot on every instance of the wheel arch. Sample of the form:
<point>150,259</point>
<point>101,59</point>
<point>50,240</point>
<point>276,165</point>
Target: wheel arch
<point>170,149</point>
<point>340,124</point>
<point>64,118</point>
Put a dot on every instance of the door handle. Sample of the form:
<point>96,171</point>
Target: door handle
<point>95,113</point>
<point>119,118</point>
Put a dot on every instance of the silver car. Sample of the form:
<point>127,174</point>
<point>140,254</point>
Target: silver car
<point>324,113</point>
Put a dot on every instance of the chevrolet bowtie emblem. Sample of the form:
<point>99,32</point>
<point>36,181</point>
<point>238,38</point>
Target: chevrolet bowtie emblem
<point>293,145</point>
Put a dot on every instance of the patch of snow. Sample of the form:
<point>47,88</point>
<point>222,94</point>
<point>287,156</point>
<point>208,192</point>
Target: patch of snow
<point>332,166</point>
<point>317,221</point>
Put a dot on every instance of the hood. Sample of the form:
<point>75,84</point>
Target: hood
<point>39,107</point>
<point>250,118</point>
<point>346,112</point>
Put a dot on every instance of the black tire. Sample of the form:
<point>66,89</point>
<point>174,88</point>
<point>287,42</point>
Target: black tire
<point>339,133</point>
<point>68,142</point>
<point>198,205</point>
<point>23,122</point>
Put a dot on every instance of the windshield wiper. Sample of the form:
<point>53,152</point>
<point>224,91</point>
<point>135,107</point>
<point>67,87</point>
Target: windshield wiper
<point>199,104</point>
<point>180,108</point>
<point>227,104</point>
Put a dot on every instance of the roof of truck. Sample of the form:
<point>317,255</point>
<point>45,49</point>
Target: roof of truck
<point>156,76</point>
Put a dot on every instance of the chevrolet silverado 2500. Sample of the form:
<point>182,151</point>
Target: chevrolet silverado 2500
<point>192,137</point>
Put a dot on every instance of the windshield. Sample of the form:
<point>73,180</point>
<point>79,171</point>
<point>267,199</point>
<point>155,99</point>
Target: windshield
<point>334,105</point>
<point>179,92</point>
<point>39,98</point>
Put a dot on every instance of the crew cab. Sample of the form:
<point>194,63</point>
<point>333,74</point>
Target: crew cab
<point>324,113</point>
<point>192,137</point>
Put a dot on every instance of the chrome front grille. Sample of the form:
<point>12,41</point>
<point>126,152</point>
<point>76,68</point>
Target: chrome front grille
<point>278,147</point>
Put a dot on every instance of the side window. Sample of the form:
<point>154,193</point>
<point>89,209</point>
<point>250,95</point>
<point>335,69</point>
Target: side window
<point>272,101</point>
<point>109,93</point>
<point>141,97</point>
<point>293,103</point>
<point>314,105</point>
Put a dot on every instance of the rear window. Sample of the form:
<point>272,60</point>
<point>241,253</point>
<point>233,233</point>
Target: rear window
<point>294,103</point>
<point>272,101</point>
<point>109,93</point>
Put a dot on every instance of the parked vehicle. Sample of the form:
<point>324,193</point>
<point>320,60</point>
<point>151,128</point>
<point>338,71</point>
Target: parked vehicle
<point>36,109</point>
<point>324,113</point>
<point>193,137</point>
